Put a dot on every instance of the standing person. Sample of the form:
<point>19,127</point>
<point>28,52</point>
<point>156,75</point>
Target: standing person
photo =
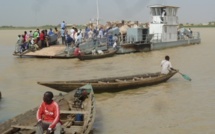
<point>69,42</point>
<point>50,32</point>
<point>30,34</point>
<point>56,32</point>
<point>19,44</point>
<point>42,38</point>
<point>163,15</point>
<point>63,36</point>
<point>86,32</point>
<point>36,35</point>
<point>78,38</point>
<point>100,34</point>
<point>166,65</point>
<point>63,25</point>
<point>48,115</point>
<point>191,32</point>
<point>72,35</point>
<point>115,40</point>
<point>90,34</point>
<point>46,38</point>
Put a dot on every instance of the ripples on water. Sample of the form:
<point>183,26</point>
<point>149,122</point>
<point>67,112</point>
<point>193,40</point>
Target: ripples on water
<point>177,106</point>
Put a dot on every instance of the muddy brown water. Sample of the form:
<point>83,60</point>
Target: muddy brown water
<point>176,106</point>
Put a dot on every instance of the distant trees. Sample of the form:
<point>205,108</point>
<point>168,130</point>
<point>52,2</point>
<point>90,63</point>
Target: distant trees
<point>211,23</point>
<point>7,26</point>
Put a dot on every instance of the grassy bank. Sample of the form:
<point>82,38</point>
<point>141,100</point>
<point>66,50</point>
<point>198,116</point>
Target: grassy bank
<point>34,27</point>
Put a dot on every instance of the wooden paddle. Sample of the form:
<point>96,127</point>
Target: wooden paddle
<point>186,77</point>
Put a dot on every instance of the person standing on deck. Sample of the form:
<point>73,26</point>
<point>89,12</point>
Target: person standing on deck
<point>19,44</point>
<point>101,33</point>
<point>166,65</point>
<point>42,38</point>
<point>46,38</point>
<point>191,33</point>
<point>69,41</point>
<point>63,25</point>
<point>56,32</point>
<point>48,115</point>
<point>90,34</point>
<point>36,35</point>
<point>163,15</point>
<point>63,36</point>
<point>50,32</point>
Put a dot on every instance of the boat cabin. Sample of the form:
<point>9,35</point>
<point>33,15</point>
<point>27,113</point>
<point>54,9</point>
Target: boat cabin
<point>164,23</point>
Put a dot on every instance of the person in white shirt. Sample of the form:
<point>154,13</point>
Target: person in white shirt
<point>100,35</point>
<point>163,14</point>
<point>166,65</point>
<point>90,34</point>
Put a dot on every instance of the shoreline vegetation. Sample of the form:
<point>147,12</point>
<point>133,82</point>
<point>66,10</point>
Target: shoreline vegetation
<point>34,27</point>
<point>83,26</point>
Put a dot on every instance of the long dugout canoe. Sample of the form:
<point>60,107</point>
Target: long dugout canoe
<point>112,84</point>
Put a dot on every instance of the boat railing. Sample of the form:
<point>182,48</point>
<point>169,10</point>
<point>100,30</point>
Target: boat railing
<point>158,37</point>
<point>94,42</point>
<point>194,35</point>
<point>138,39</point>
<point>135,39</point>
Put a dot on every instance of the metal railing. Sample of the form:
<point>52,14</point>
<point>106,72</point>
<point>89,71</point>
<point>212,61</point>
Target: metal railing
<point>173,37</point>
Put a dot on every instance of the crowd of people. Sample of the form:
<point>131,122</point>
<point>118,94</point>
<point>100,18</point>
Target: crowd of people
<point>70,37</point>
<point>75,36</point>
<point>34,40</point>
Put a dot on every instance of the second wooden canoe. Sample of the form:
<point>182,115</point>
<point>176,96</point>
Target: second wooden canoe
<point>76,117</point>
<point>112,84</point>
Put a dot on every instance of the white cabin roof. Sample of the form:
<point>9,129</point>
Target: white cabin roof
<point>162,6</point>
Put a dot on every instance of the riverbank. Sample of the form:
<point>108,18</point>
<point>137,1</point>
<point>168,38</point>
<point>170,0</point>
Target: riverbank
<point>82,26</point>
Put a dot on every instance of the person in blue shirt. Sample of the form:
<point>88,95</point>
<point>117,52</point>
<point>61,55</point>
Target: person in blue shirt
<point>63,25</point>
<point>63,36</point>
<point>50,32</point>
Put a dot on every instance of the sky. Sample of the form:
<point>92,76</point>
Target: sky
<point>53,12</point>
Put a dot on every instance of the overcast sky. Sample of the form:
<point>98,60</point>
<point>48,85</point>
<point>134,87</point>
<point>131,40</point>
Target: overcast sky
<point>53,12</point>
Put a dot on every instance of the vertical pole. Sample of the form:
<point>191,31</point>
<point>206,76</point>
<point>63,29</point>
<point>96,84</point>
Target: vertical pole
<point>97,19</point>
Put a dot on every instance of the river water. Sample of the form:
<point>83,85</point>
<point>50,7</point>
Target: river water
<point>177,106</point>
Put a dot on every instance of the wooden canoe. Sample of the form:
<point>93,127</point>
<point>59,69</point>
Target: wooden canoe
<point>26,123</point>
<point>111,84</point>
<point>89,56</point>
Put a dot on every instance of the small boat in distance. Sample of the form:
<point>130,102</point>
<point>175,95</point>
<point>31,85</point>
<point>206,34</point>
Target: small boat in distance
<point>77,115</point>
<point>90,56</point>
<point>112,84</point>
